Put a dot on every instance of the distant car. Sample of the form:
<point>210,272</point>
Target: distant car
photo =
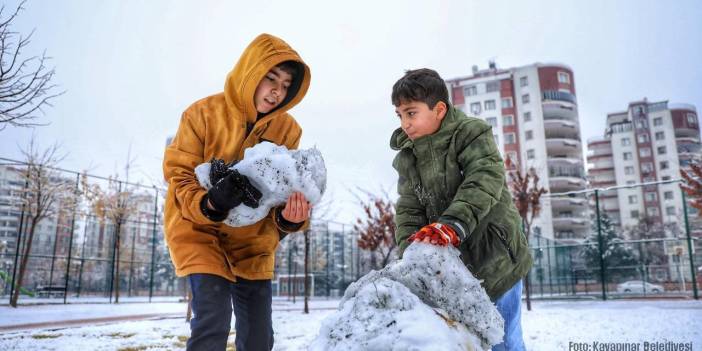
<point>638,286</point>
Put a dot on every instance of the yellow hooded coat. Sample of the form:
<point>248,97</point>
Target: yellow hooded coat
<point>216,127</point>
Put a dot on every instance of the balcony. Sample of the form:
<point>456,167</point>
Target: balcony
<point>562,203</point>
<point>687,132</point>
<point>555,95</point>
<point>560,128</point>
<point>688,145</point>
<point>570,222</point>
<point>560,184</point>
<point>566,147</point>
<point>560,111</point>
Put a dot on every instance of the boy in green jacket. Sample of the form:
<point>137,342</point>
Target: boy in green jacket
<point>452,191</point>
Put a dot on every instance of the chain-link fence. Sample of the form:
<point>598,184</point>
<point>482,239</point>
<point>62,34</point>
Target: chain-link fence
<point>640,240</point>
<point>98,238</point>
<point>104,241</point>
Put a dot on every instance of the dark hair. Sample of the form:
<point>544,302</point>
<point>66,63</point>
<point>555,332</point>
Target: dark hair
<point>423,85</point>
<point>292,68</point>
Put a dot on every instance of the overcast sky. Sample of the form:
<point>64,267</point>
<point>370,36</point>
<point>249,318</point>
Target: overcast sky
<point>130,68</point>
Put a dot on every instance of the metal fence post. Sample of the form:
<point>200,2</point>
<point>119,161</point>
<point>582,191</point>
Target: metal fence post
<point>600,244</point>
<point>70,243</point>
<point>19,238</point>
<point>693,272</point>
<point>153,246</point>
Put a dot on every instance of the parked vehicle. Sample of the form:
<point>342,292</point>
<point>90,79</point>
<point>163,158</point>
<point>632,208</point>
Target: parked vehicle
<point>638,287</point>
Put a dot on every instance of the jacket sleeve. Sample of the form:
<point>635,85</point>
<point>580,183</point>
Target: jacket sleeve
<point>179,162</point>
<point>483,178</point>
<point>292,141</point>
<point>410,214</point>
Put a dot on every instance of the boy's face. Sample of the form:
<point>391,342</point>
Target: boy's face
<point>272,89</point>
<point>418,120</point>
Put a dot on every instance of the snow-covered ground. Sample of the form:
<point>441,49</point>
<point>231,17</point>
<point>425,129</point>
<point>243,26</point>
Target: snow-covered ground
<point>550,326</point>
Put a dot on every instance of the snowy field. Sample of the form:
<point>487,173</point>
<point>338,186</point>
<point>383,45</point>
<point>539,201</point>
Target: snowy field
<point>550,326</point>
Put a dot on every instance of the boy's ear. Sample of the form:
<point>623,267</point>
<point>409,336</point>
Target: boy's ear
<point>440,108</point>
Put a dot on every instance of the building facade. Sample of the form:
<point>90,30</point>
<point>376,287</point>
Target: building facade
<point>533,111</point>
<point>649,142</point>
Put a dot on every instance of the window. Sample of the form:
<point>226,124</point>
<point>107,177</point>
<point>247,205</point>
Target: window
<point>492,86</point>
<point>647,167</point>
<point>508,120</point>
<point>530,154</point>
<point>628,156</point>
<point>665,178</point>
<point>509,138</point>
<point>670,210</point>
<point>470,90</point>
<point>475,108</point>
<point>492,121</point>
<point>629,170</point>
<point>658,121</point>
<point>512,156</point>
<point>691,119</point>
<point>668,195</point>
<point>523,81</point>
<point>635,214</point>
<point>660,135</point>
<point>652,211</point>
<point>651,196</point>
<point>641,124</point>
<point>489,105</point>
<point>527,116</point>
<point>626,141</point>
<point>643,138</point>
<point>661,150</point>
<point>630,182</point>
<point>563,77</point>
<point>645,152</point>
<point>507,103</point>
<point>529,135</point>
<point>664,165</point>
<point>525,98</point>
<point>633,199</point>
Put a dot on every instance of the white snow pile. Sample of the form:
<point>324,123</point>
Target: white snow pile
<point>277,172</point>
<point>428,300</point>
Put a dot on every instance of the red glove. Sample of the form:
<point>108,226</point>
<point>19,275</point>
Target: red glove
<point>438,234</point>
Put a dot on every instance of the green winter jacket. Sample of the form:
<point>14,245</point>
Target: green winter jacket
<point>456,176</point>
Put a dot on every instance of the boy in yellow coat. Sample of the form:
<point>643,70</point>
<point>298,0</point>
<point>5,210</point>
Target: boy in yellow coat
<point>229,266</point>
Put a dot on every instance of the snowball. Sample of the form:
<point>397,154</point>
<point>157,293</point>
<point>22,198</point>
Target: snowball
<point>277,172</point>
<point>389,307</point>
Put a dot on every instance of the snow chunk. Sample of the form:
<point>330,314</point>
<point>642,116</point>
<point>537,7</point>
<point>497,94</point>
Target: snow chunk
<point>392,308</point>
<point>277,172</point>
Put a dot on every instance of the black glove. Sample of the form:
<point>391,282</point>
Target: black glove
<point>231,191</point>
<point>219,169</point>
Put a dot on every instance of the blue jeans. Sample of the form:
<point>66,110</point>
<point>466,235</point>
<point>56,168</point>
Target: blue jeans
<point>212,301</point>
<point>509,306</point>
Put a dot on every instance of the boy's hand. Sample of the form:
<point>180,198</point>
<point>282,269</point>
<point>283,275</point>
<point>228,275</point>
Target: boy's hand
<point>231,191</point>
<point>297,209</point>
<point>437,234</point>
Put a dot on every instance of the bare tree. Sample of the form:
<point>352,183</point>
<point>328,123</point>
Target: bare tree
<point>377,229</point>
<point>526,194</point>
<point>25,82</point>
<point>692,185</point>
<point>115,204</point>
<point>43,192</point>
<point>320,212</point>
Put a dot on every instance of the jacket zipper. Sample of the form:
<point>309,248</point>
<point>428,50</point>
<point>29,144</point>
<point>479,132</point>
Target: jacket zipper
<point>502,238</point>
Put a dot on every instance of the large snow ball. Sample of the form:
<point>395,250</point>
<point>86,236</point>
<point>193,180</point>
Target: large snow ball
<point>437,280</point>
<point>385,315</point>
<point>277,172</point>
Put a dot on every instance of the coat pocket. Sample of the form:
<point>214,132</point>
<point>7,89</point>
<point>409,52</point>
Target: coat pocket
<point>502,238</point>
